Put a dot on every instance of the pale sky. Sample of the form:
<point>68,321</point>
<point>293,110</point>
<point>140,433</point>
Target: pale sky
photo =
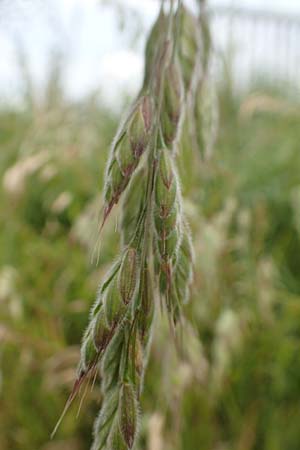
<point>96,52</point>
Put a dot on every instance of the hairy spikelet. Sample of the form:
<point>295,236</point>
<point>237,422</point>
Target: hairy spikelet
<point>112,361</point>
<point>146,304</point>
<point>206,117</point>
<point>131,142</point>
<point>133,205</point>
<point>188,46</point>
<point>182,275</point>
<point>172,106</point>
<point>166,186</point>
<point>128,275</point>
<point>114,307</point>
<point>205,39</point>
<point>156,248</point>
<point>89,351</point>
<point>101,331</point>
<point>128,413</point>
<point>154,43</point>
<point>116,440</point>
<point>167,219</point>
<point>103,423</point>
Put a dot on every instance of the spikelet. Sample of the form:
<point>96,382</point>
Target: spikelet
<point>140,126</point>
<point>166,185</point>
<point>133,205</point>
<point>127,149</point>
<point>89,351</point>
<point>172,103</point>
<point>112,360</point>
<point>101,332</point>
<point>128,413</point>
<point>206,40</point>
<point>128,275</point>
<point>184,266</point>
<point>206,117</point>
<point>103,423</point>
<point>188,46</point>
<point>167,222</point>
<point>182,274</point>
<point>114,307</point>
<point>116,441</point>
<point>154,43</point>
<point>166,211</point>
<point>136,361</point>
<point>146,303</point>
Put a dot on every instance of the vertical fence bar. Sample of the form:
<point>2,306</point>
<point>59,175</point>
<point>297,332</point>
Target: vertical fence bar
<point>260,44</point>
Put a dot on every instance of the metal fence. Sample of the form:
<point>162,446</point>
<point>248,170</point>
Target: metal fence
<point>258,45</point>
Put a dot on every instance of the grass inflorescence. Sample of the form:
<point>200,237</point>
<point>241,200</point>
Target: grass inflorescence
<point>156,256</point>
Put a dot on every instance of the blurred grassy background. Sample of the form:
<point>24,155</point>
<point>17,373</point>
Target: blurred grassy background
<point>239,386</point>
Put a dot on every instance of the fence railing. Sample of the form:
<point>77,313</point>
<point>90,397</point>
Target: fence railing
<point>258,44</point>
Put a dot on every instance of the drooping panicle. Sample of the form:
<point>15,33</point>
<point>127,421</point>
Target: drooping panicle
<point>156,251</point>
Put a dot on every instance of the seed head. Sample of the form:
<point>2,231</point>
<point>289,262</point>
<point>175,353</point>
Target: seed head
<point>128,413</point>
<point>121,320</point>
<point>127,278</point>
